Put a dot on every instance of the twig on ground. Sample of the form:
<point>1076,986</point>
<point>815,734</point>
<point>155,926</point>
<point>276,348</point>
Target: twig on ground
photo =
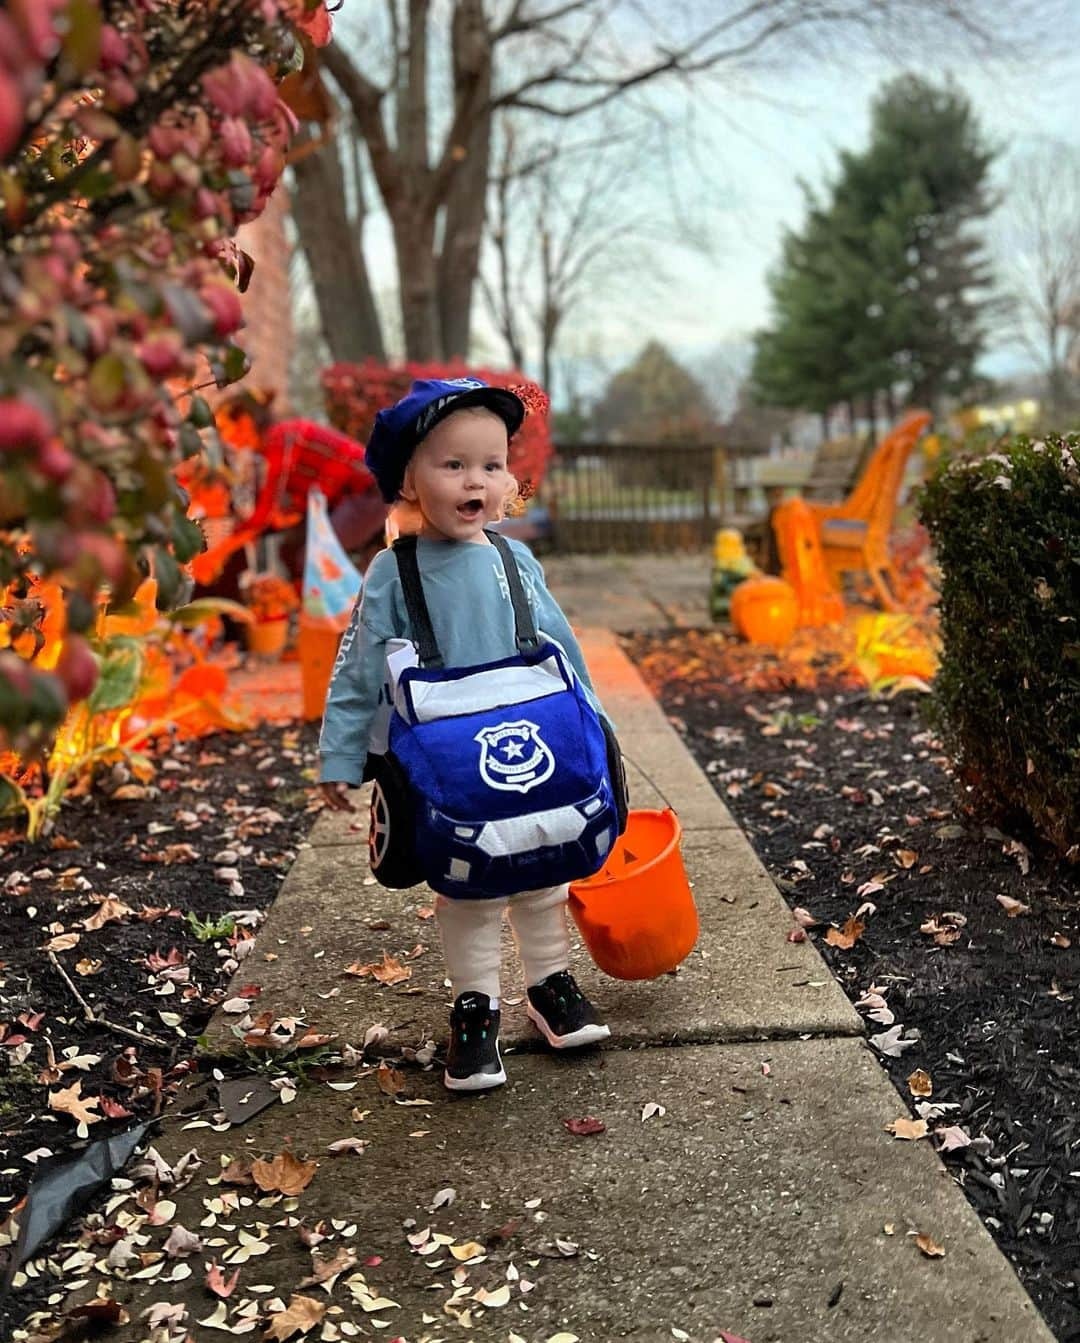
<point>91,1015</point>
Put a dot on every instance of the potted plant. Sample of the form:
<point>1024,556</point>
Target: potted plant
<point>271,600</point>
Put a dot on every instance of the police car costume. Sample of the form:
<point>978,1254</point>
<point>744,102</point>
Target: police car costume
<point>488,612</point>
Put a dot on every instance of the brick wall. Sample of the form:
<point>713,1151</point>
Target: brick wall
<point>268,336</point>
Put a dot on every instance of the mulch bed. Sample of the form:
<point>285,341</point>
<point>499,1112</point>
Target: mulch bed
<point>849,800</point>
<point>178,873</point>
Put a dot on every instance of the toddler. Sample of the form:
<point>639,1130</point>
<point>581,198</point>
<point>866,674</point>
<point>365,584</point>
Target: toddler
<point>440,457</point>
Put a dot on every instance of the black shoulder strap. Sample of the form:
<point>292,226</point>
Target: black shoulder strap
<point>416,602</point>
<point>417,607</point>
<point>524,625</point>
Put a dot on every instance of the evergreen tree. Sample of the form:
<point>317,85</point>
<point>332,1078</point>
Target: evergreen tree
<point>654,400</point>
<point>903,270</point>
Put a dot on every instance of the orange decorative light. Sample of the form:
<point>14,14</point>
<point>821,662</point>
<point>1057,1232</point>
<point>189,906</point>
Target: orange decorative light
<point>765,610</point>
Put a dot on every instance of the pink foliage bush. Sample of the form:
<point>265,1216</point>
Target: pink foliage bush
<point>135,137</point>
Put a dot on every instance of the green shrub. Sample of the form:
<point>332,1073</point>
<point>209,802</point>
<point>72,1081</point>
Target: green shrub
<point>1006,529</point>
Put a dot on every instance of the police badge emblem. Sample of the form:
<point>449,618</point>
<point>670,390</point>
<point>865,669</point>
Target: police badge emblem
<point>514,757</point>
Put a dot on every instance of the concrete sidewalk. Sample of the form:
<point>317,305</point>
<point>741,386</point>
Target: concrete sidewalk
<point>763,1197</point>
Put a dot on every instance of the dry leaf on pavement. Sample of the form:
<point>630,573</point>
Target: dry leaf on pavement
<point>283,1174</point>
<point>583,1127</point>
<point>911,1129</point>
<point>929,1247</point>
<point>348,1145</point>
<point>218,1283</point>
<point>302,1314</point>
<point>388,971</point>
<point>389,1081</point>
<point>324,1270</point>
<point>467,1250</point>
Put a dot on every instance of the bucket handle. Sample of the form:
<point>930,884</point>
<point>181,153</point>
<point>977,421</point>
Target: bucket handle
<point>651,782</point>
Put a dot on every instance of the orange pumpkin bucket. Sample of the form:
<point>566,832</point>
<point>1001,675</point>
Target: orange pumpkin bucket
<point>637,915</point>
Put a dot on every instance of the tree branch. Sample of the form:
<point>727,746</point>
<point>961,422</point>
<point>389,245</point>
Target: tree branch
<point>365,98</point>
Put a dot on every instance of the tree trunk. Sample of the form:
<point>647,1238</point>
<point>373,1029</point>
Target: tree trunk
<point>414,244</point>
<point>333,247</point>
<point>463,232</point>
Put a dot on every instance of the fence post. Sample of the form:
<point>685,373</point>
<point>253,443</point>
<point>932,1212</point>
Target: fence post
<point>720,480</point>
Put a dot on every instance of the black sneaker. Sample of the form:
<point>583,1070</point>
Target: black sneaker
<point>472,1061</point>
<point>562,1013</point>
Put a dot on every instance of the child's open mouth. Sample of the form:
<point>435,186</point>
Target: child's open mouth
<point>471,510</point>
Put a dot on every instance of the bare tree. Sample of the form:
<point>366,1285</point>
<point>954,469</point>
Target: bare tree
<point>561,59</point>
<point>561,225</point>
<point>1041,250</point>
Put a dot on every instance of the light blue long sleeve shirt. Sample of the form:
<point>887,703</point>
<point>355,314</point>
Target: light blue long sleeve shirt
<point>469,601</point>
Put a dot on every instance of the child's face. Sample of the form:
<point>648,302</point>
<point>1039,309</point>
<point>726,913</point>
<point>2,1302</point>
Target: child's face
<point>458,476</point>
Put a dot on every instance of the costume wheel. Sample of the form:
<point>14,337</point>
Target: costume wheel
<point>391,834</point>
<point>617,773</point>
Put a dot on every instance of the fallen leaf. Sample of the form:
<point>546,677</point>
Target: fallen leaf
<point>389,1081</point>
<point>889,1042</point>
<point>650,1109</point>
<point>63,942</point>
<point>348,1145</point>
<point>182,1242</point>
<point>846,937</point>
<point>302,1314</point>
<point>469,1249</point>
<point>283,1174</point>
<point>111,910</point>
<point>906,857</point>
<point>1060,940</point>
<point>443,1199</point>
<point>219,1284</point>
<point>388,971</point>
<point>1012,908</point>
<point>797,935</point>
<point>582,1128</point>
<point>920,1083</point>
<point>929,1247</point>
<point>325,1270</point>
<point>70,1101</point>
<point>237,1171</point>
<point>910,1129</point>
<point>493,1300</point>
<point>804,918</point>
<point>953,1138</point>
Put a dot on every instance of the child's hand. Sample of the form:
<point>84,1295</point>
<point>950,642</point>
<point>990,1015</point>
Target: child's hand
<point>336,796</point>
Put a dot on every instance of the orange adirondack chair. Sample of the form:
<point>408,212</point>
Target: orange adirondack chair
<point>854,534</point>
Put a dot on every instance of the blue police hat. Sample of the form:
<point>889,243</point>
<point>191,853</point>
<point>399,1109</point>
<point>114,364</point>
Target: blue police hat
<point>400,427</point>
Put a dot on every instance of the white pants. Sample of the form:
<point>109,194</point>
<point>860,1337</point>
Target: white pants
<point>471,932</point>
